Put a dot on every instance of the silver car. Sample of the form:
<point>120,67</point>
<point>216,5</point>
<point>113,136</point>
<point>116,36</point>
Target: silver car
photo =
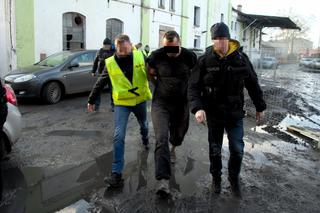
<point>12,126</point>
<point>316,63</point>
<point>306,62</point>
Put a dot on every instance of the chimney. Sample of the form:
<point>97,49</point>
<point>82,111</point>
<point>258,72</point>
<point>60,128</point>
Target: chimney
<point>239,7</point>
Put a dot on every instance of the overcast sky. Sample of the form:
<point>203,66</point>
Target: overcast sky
<point>307,9</point>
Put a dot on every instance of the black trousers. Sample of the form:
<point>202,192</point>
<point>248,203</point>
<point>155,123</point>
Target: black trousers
<point>170,123</point>
<point>234,132</point>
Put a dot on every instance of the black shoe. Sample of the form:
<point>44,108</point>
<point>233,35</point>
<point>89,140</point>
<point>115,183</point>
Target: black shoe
<point>235,187</point>
<point>115,180</point>
<point>216,185</point>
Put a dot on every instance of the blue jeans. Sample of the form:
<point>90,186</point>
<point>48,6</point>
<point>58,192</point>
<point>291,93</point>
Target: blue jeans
<point>235,136</point>
<point>121,116</point>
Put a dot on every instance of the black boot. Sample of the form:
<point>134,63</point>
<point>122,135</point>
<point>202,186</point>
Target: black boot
<point>216,184</point>
<point>235,186</point>
<point>115,180</point>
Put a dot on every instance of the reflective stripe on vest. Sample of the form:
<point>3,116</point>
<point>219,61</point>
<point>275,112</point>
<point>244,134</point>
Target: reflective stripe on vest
<point>124,92</point>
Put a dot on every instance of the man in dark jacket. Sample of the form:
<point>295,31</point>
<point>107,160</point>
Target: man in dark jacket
<point>169,69</point>
<point>99,66</point>
<point>3,117</point>
<point>216,96</point>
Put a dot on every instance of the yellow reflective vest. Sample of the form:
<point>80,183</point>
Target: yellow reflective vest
<point>124,92</point>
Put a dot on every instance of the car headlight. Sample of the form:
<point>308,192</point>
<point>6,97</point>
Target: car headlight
<point>24,78</point>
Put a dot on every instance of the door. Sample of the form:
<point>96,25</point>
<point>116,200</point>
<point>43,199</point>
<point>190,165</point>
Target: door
<point>78,74</point>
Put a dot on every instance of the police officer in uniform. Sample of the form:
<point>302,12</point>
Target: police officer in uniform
<point>216,96</point>
<point>98,66</point>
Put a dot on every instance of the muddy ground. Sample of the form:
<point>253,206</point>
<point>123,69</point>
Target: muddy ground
<point>64,153</point>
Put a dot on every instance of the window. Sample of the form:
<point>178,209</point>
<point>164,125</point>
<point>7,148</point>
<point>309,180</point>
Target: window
<point>196,21</point>
<point>55,59</point>
<point>222,17</point>
<point>83,60</point>
<point>162,4</point>
<point>172,5</point>
<point>196,43</point>
<point>114,27</point>
<point>73,31</point>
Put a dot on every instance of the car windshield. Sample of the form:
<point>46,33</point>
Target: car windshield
<point>55,59</point>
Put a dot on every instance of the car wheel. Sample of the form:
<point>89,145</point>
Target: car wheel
<point>52,93</point>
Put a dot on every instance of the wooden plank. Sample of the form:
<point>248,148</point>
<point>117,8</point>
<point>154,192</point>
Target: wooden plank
<point>309,133</point>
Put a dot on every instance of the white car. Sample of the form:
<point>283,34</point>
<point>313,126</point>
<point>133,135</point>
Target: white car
<point>13,124</point>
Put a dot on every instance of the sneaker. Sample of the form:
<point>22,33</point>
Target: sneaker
<point>235,187</point>
<point>173,156</point>
<point>115,180</point>
<point>216,185</point>
<point>163,188</point>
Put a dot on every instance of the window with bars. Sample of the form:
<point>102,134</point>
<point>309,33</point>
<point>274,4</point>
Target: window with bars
<point>114,27</point>
<point>74,26</point>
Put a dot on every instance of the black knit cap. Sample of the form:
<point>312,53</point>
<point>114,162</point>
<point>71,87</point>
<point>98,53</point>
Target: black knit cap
<point>106,41</point>
<point>220,30</point>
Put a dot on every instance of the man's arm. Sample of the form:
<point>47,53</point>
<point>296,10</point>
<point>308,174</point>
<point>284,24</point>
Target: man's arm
<point>194,88</point>
<point>95,64</point>
<point>151,70</point>
<point>253,87</point>
<point>97,88</point>
<point>152,75</point>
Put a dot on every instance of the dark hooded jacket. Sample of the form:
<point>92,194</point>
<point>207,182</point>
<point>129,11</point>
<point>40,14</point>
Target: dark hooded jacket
<point>217,83</point>
<point>99,61</point>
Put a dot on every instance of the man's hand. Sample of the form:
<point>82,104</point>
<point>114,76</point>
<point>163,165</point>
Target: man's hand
<point>200,116</point>
<point>259,117</point>
<point>93,74</point>
<point>90,107</point>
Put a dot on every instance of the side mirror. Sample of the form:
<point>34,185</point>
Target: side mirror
<point>72,65</point>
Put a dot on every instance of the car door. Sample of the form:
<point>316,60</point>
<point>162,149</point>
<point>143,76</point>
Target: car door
<point>78,74</point>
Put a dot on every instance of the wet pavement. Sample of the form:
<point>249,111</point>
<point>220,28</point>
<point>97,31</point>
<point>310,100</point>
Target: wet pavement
<point>64,154</point>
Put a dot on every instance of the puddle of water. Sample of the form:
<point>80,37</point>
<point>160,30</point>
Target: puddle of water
<point>48,190</point>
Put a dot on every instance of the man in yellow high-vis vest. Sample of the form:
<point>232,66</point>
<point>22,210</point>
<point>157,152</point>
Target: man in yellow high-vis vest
<point>130,91</point>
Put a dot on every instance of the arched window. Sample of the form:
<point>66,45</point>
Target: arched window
<point>74,26</point>
<point>114,27</point>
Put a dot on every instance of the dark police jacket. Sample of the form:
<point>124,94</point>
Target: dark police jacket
<point>216,84</point>
<point>99,61</point>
